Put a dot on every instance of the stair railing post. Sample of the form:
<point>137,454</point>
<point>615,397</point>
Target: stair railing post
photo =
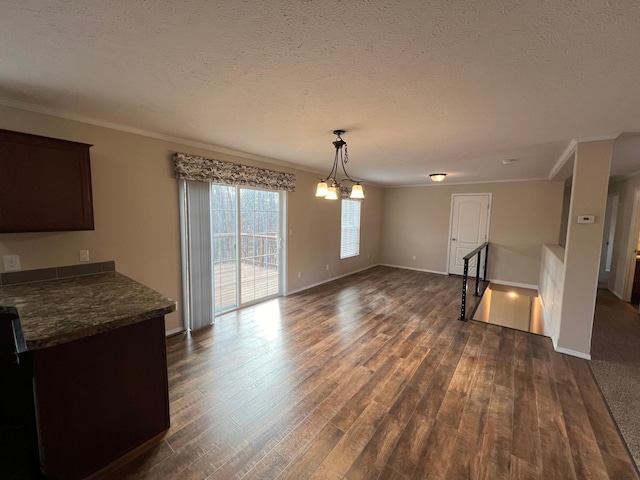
<point>478,271</point>
<point>486,257</point>
<point>464,290</point>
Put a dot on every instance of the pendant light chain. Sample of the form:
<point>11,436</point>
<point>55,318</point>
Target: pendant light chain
<point>330,186</point>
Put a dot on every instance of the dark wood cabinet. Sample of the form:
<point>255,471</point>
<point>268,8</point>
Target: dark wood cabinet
<point>635,291</point>
<point>93,350</point>
<point>100,397</point>
<point>46,184</point>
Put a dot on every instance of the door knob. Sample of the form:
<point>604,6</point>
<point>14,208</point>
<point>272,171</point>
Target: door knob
<point>453,239</point>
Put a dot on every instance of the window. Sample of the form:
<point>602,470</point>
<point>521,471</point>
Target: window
<point>350,229</point>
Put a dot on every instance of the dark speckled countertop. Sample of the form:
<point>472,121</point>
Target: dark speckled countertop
<point>58,311</point>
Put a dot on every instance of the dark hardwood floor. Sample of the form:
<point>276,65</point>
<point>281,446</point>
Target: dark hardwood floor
<point>372,376</point>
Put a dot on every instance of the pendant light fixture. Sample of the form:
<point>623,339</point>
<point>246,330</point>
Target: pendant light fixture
<point>330,187</point>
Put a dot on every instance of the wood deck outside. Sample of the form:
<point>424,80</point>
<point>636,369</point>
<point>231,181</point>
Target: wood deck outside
<point>373,377</point>
<point>257,282</point>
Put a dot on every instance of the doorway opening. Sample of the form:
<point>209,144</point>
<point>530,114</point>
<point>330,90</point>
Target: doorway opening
<point>632,261</point>
<point>608,238</point>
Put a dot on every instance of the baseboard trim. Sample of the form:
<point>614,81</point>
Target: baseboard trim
<point>416,269</point>
<point>329,280</point>
<point>174,331</point>
<point>362,270</point>
<point>567,351</point>
<point>129,456</point>
<point>437,272</point>
<point>619,295</point>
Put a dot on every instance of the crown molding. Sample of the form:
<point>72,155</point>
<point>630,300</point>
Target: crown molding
<point>628,176</point>
<point>145,133</point>
<point>611,136</point>
<point>477,182</point>
<point>30,107</point>
<point>573,144</point>
<point>562,159</point>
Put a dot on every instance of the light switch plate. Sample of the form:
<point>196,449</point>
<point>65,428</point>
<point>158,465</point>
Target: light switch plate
<point>84,255</point>
<point>11,262</point>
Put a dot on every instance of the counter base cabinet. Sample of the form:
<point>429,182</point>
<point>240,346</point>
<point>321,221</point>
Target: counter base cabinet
<point>99,397</point>
<point>635,290</point>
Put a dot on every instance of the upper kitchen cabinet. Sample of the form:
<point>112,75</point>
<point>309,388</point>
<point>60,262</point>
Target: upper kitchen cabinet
<point>45,184</point>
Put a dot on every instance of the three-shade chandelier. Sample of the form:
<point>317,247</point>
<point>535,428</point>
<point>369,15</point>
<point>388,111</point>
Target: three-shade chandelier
<point>330,187</point>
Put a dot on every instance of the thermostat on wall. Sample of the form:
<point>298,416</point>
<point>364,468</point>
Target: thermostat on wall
<point>586,218</point>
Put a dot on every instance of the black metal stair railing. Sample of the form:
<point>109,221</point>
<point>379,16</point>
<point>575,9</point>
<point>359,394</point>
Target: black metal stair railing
<point>465,277</point>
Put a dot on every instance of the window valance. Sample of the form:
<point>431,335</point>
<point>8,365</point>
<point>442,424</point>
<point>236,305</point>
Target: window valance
<point>202,169</point>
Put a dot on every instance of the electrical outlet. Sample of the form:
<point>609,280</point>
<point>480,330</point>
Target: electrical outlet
<point>11,262</point>
<point>327,267</point>
<point>414,257</point>
<point>299,274</point>
<point>84,255</point>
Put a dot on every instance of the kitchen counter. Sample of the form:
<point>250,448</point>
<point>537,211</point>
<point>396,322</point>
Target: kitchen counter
<point>96,353</point>
<point>57,311</point>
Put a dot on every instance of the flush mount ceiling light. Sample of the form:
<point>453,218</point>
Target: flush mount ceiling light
<point>437,177</point>
<point>330,187</point>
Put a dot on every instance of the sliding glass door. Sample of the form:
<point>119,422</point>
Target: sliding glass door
<point>260,246</point>
<point>224,228</point>
<point>246,225</point>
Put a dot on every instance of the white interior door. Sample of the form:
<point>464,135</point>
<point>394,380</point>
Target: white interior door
<point>469,229</point>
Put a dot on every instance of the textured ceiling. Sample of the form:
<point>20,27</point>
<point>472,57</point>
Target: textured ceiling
<point>420,87</point>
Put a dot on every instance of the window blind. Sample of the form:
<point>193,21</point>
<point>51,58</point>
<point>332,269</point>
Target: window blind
<point>350,229</point>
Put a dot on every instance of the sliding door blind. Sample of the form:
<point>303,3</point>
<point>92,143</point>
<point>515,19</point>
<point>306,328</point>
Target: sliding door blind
<point>197,253</point>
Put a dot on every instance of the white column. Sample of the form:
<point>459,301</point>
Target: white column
<point>584,240</point>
